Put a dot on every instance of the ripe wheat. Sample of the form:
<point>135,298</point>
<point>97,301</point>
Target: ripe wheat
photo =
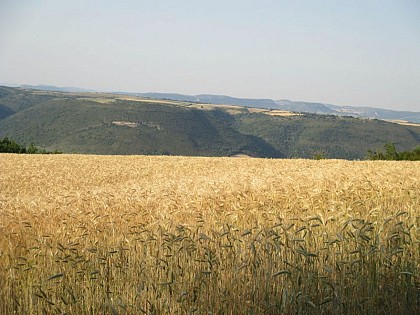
<point>183,235</point>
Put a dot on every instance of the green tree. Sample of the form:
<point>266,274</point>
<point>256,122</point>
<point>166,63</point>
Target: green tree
<point>319,155</point>
<point>391,154</point>
<point>10,146</point>
<point>32,149</point>
<point>413,155</point>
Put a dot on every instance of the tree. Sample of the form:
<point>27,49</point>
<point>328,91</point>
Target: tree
<point>319,155</point>
<point>391,154</point>
<point>10,146</point>
<point>32,149</point>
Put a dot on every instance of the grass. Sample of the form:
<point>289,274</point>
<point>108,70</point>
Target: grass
<point>176,235</point>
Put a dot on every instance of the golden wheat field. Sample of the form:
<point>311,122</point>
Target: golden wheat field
<point>183,235</point>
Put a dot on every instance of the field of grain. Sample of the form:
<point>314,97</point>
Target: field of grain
<point>177,235</point>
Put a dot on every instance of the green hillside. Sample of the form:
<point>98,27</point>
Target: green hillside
<point>333,136</point>
<point>108,124</point>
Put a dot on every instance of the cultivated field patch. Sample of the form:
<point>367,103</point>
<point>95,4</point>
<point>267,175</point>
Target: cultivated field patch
<point>182,235</point>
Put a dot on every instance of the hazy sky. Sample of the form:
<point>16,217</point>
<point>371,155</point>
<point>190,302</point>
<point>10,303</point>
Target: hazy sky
<point>342,52</point>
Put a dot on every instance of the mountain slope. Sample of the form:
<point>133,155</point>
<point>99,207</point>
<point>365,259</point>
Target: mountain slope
<point>295,106</point>
<point>304,107</point>
<point>5,111</point>
<point>16,99</point>
<point>55,88</point>
<point>129,128</point>
<point>113,124</point>
<point>377,113</point>
<point>334,137</point>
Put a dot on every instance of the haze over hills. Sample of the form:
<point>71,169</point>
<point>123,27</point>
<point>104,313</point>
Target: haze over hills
<point>104,123</point>
<point>294,106</point>
<point>55,88</point>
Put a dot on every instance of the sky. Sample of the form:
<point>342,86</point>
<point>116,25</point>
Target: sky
<point>358,53</point>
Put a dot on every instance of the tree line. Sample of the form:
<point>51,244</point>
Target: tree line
<point>390,153</point>
<point>10,146</point>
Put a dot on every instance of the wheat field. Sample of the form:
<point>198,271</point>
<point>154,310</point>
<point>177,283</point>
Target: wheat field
<point>183,235</point>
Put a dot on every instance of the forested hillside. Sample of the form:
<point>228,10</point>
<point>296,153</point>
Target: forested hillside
<point>98,123</point>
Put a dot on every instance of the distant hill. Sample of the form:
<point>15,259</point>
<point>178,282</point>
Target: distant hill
<point>71,123</point>
<point>101,123</point>
<point>294,106</point>
<point>377,113</point>
<point>211,99</point>
<point>304,107</point>
<point>55,88</point>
